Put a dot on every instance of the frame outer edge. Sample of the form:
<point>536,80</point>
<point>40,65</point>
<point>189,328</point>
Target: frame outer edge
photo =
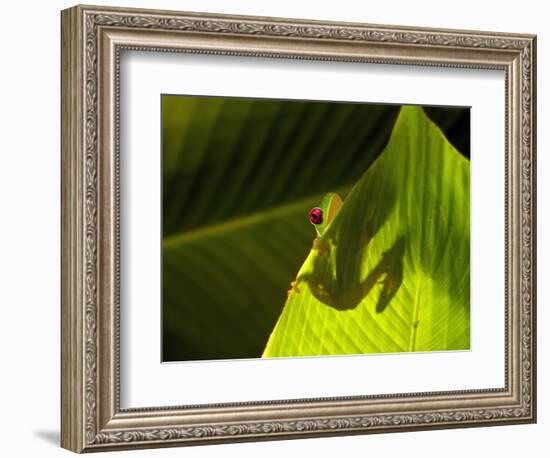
<point>534,149</point>
<point>533,191</point>
<point>82,421</point>
<point>72,227</point>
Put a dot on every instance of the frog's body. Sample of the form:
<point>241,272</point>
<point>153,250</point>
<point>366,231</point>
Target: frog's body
<point>334,273</point>
<point>321,217</point>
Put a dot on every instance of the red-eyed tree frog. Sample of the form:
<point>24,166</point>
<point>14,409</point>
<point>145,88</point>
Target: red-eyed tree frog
<point>321,217</point>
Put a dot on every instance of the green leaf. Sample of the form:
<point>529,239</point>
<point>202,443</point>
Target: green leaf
<point>239,178</point>
<point>392,271</point>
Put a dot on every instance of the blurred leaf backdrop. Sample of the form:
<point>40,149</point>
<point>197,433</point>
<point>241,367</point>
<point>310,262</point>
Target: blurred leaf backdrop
<point>239,177</point>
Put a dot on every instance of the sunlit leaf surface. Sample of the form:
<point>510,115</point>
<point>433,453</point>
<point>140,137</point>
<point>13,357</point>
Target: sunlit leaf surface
<point>392,271</point>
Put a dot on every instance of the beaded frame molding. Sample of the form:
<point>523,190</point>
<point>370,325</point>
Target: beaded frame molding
<point>92,41</point>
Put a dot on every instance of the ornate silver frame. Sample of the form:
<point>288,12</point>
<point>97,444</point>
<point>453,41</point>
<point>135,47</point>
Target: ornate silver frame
<point>92,39</point>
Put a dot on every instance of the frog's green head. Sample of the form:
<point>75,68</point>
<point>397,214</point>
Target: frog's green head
<point>322,216</point>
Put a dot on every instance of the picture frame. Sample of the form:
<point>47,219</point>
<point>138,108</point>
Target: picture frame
<point>92,40</point>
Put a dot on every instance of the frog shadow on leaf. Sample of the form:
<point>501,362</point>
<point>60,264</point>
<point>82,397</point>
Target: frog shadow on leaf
<point>337,279</point>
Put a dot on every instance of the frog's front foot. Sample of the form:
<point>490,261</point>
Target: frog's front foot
<point>293,288</point>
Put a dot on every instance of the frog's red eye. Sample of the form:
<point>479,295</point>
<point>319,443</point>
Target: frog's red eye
<point>316,216</point>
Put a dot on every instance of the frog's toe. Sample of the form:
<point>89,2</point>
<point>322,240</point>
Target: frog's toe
<point>293,288</point>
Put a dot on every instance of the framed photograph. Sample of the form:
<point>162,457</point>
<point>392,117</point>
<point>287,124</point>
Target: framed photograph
<point>277,228</point>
